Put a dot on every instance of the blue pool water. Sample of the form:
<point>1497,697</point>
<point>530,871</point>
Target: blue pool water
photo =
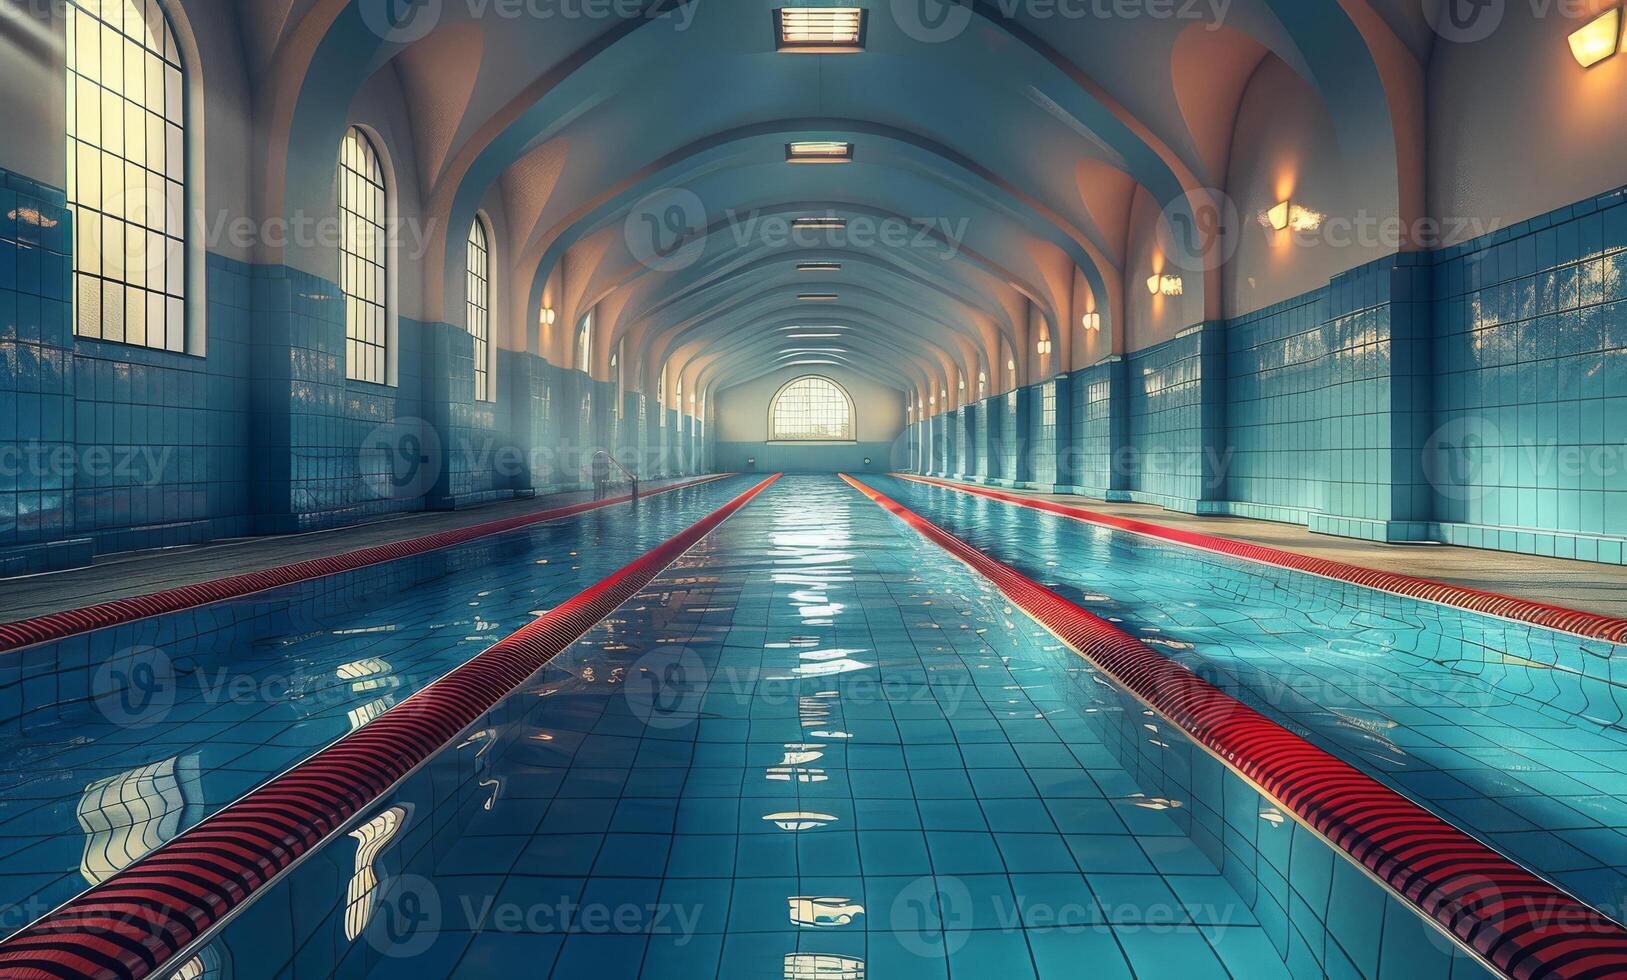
<point>135,733</point>
<point>1514,733</point>
<point>818,747</point>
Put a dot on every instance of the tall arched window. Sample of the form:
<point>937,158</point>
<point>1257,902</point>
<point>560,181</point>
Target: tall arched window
<point>584,344</point>
<point>362,268</point>
<point>812,409</point>
<point>127,173</point>
<point>479,304</point>
<point>661,398</point>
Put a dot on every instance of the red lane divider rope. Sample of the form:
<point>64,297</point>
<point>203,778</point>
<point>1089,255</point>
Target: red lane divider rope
<point>1515,920</point>
<point>127,927</point>
<point>1590,625</point>
<point>60,625</point>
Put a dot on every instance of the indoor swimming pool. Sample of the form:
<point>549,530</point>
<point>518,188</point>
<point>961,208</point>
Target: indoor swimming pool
<point>816,746</point>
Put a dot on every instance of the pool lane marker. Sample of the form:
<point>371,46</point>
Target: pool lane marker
<point>71,622</point>
<point>1585,624</point>
<point>133,923</point>
<point>1513,920</point>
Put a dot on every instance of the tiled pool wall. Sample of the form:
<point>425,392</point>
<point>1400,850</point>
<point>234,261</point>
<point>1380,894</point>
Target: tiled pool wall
<point>106,447</point>
<point>1474,395</point>
<point>46,683</point>
<point>1286,873</point>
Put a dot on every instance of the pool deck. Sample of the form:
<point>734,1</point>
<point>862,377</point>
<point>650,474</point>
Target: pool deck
<point>140,573</point>
<point>1588,586</point>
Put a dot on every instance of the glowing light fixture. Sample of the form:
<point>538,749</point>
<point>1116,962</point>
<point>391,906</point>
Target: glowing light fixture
<point>549,315</point>
<point>1165,285</point>
<point>1091,321</point>
<point>818,151</point>
<point>813,336</point>
<point>1278,216</point>
<point>817,297</point>
<point>818,224</point>
<point>819,267</point>
<point>1598,40</point>
<point>1044,346</point>
<point>820,30</point>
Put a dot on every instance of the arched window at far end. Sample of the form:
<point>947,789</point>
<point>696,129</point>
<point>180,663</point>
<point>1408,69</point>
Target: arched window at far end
<point>812,409</point>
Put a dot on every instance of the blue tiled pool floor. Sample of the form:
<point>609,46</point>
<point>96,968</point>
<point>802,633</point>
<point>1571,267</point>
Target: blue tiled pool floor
<point>814,747</point>
<point>1516,734</point>
<point>245,689</point>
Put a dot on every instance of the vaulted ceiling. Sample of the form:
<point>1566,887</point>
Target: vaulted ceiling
<point>999,150</point>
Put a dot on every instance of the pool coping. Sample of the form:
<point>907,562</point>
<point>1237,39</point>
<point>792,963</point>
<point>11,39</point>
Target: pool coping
<point>117,612</point>
<point>1514,921</point>
<point>170,900</point>
<point>1591,626</point>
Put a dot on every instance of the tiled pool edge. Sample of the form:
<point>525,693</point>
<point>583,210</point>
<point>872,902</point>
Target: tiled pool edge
<point>72,622</point>
<point>1513,920</point>
<point>1587,625</point>
<point>167,902</point>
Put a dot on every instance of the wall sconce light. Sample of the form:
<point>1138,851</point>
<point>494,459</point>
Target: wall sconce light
<point>1287,214</point>
<point>549,315</point>
<point>1091,321</point>
<point>1011,366</point>
<point>932,399</point>
<point>1044,347</point>
<point>1598,40</point>
<point>1165,285</point>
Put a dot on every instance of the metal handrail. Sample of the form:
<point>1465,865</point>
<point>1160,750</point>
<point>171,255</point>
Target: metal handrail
<point>631,478</point>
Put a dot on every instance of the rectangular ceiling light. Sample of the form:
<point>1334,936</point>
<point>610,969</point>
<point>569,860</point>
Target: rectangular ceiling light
<point>818,224</point>
<point>819,267</point>
<point>817,297</point>
<point>820,30</point>
<point>813,336</point>
<point>818,151</point>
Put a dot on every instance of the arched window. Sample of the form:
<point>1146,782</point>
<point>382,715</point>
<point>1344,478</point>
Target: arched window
<point>127,173</point>
<point>362,268</point>
<point>584,344</point>
<point>812,409</point>
<point>479,303</point>
<point>661,398</point>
